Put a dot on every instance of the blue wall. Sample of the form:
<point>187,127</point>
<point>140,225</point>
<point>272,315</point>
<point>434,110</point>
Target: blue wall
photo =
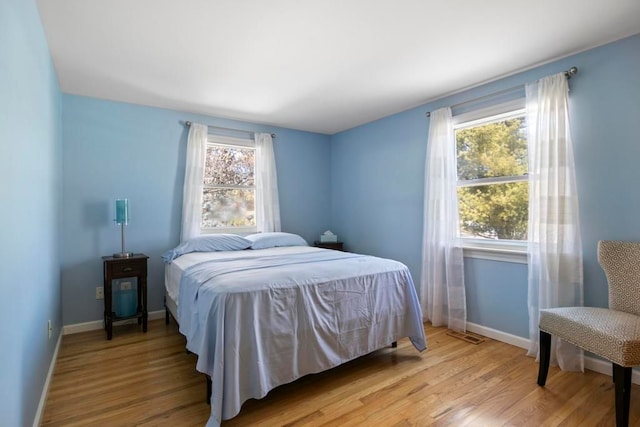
<point>378,180</point>
<point>30,166</point>
<point>114,150</point>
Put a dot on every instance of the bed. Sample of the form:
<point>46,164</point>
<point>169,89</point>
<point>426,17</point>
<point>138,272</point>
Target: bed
<point>259,318</point>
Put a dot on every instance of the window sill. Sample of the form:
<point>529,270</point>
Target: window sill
<point>235,230</point>
<point>518,256</point>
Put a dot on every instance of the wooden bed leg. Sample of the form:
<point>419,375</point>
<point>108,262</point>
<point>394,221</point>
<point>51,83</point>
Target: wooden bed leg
<point>166,311</point>
<point>394,344</point>
<point>209,386</point>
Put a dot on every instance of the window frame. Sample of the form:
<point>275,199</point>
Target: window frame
<point>230,141</point>
<point>498,250</point>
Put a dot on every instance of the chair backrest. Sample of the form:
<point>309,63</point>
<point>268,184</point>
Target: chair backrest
<point>621,263</point>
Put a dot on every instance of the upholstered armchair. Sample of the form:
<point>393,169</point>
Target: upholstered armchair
<point>612,333</point>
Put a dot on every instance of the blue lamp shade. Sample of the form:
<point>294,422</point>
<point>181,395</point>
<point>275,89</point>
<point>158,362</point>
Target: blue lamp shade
<point>122,211</point>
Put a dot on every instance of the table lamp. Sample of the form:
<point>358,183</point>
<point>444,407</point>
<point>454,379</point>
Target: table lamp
<point>122,219</point>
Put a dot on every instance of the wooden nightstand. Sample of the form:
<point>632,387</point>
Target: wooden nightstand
<point>121,268</point>
<point>338,246</point>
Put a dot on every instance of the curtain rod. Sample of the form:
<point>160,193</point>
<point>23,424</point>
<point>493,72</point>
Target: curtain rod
<point>570,72</point>
<point>188,123</point>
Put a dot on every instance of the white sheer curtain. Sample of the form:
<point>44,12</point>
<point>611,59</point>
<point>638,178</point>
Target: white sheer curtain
<point>555,247</point>
<point>193,177</point>
<point>442,292</point>
<point>267,202</point>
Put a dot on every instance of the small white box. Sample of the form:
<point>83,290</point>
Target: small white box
<point>328,238</point>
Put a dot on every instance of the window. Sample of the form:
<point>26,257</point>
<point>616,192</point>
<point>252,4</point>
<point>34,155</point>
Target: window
<point>229,192</point>
<point>492,190</point>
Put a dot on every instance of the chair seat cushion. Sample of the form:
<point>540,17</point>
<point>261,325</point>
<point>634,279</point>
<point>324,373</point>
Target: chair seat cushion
<point>614,335</point>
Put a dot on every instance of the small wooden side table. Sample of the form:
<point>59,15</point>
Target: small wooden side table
<point>338,246</point>
<point>122,268</point>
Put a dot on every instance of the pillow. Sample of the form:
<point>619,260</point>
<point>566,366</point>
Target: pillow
<point>208,243</point>
<point>274,239</point>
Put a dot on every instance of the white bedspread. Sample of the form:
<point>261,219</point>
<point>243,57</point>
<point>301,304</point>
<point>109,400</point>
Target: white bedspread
<point>258,319</point>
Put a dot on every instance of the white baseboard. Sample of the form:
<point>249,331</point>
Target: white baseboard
<point>498,335</point>
<point>590,363</point>
<point>45,389</point>
<point>98,324</point>
<point>604,367</point>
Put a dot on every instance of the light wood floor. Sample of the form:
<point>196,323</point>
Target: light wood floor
<point>147,380</point>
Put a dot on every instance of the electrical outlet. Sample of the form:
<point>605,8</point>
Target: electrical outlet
<point>50,328</point>
<point>125,286</point>
<point>99,292</point>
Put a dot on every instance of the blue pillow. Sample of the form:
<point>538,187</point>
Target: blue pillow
<point>274,239</point>
<point>208,243</point>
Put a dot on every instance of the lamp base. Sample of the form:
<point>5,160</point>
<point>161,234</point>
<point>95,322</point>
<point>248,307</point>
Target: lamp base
<point>123,255</point>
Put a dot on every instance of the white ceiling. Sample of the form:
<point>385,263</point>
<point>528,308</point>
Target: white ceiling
<point>323,65</point>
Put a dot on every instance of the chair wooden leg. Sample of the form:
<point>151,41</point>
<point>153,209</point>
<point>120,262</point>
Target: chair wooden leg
<point>545,355</point>
<point>622,381</point>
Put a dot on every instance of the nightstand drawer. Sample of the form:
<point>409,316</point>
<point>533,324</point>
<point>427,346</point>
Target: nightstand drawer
<point>127,268</point>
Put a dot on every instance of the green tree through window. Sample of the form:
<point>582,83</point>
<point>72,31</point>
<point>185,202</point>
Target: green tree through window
<point>493,192</point>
